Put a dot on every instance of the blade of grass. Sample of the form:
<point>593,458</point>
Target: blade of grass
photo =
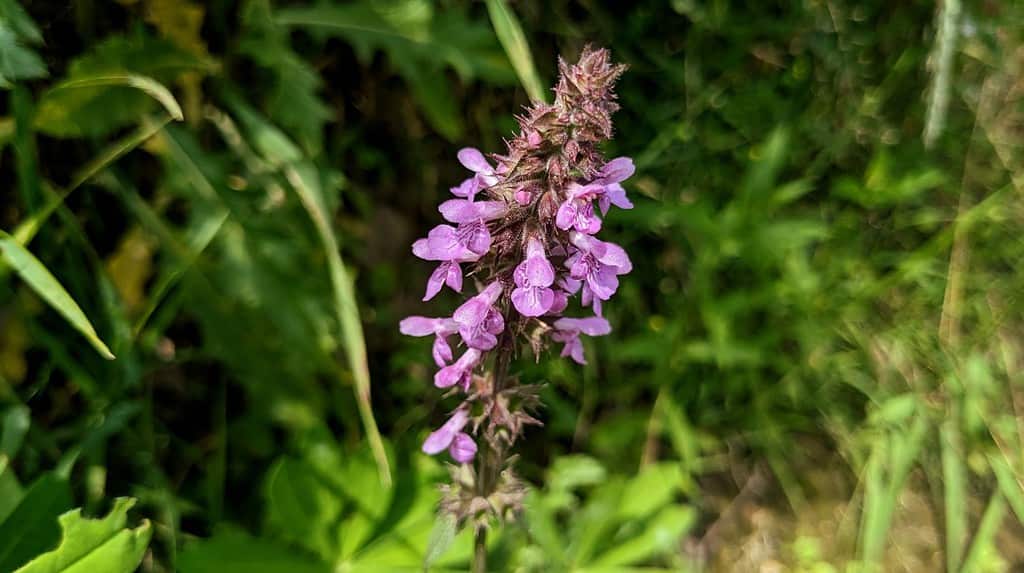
<point>987,529</point>
<point>302,178</point>
<point>149,86</point>
<point>513,40</point>
<point>36,275</point>
<point>25,148</point>
<point>954,482</point>
<point>900,450</point>
<point>1008,484</point>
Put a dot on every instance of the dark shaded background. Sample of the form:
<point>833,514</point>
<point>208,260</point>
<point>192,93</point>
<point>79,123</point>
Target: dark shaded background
<point>815,363</point>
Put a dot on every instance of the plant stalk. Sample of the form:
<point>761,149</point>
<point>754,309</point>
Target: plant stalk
<point>492,459</point>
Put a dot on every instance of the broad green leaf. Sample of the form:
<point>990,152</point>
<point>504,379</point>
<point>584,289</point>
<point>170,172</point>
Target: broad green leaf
<point>12,431</point>
<point>592,526</point>
<point>102,105</point>
<point>32,527</point>
<point>510,34</point>
<point>46,286</point>
<point>95,544</point>
<point>543,528</point>
<point>10,489</point>
<point>571,472</point>
<point>894,410</point>
<point>441,537</point>
<point>301,508</point>
<point>660,536</point>
<point>234,551</point>
<point>653,488</point>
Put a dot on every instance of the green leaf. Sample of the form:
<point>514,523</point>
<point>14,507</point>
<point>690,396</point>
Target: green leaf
<point>95,544</point>
<point>292,98</point>
<point>15,424</point>
<point>510,34</point>
<point>98,105</point>
<point>571,472</point>
<point>32,527</point>
<point>984,537</point>
<point>954,488</point>
<point>441,537</point>
<point>16,61</point>
<point>149,86</point>
<point>543,529</point>
<point>420,43</point>
<point>652,488</point>
<point>13,16</point>
<point>10,490</point>
<point>232,550</point>
<point>40,280</point>
<point>660,536</point>
<point>301,508</point>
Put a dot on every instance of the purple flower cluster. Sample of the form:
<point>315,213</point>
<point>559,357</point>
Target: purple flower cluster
<point>523,226</point>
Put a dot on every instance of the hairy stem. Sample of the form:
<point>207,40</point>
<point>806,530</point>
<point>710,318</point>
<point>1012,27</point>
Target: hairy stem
<point>491,461</point>
<point>480,551</point>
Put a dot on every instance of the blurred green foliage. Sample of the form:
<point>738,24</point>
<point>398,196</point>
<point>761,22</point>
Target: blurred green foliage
<point>816,363</point>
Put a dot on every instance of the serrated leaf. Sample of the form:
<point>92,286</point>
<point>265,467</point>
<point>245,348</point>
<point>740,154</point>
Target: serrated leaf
<point>292,98</point>
<point>234,551</point>
<point>89,545</point>
<point>99,109</point>
<point>17,62</point>
<point>13,16</point>
<point>46,286</point>
<point>32,527</point>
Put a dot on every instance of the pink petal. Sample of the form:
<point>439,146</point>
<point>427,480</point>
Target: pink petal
<point>533,301</point>
<point>418,326</point>
<point>454,277</point>
<point>566,215</point>
<point>441,351</point>
<point>618,169</point>
<point>462,448</point>
<point>472,159</point>
<point>436,281</point>
<point>441,438</point>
